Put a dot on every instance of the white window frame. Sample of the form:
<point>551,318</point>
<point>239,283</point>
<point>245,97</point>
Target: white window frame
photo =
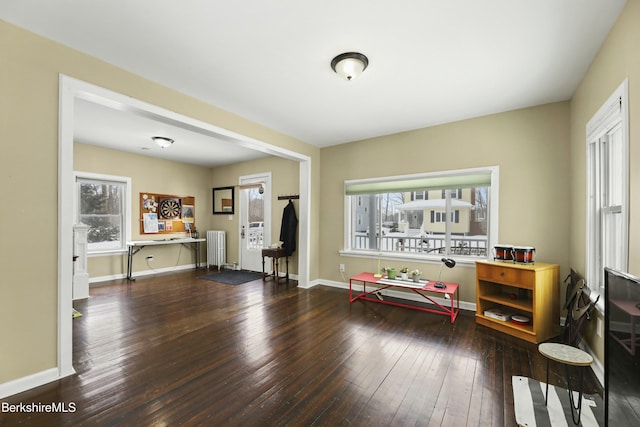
<point>492,234</point>
<point>126,232</point>
<point>613,114</point>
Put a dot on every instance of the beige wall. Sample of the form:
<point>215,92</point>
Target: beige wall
<point>531,147</point>
<point>29,75</point>
<point>284,181</point>
<point>542,186</point>
<point>184,180</point>
<point>618,59</point>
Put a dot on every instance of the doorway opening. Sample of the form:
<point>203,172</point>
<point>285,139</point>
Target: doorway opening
<point>70,90</point>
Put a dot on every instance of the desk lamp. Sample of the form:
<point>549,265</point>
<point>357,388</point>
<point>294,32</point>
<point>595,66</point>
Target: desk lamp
<point>450,263</point>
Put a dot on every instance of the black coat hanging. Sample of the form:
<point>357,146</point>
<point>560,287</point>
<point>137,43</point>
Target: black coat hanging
<point>288,229</point>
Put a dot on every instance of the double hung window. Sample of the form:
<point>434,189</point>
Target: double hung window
<point>102,203</point>
<point>423,216</point>
<point>608,188</point>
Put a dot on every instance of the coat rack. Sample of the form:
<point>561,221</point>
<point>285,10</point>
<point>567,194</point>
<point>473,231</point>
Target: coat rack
<point>290,197</point>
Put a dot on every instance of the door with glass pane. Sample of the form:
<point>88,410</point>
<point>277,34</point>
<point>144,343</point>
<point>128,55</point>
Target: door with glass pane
<point>255,220</point>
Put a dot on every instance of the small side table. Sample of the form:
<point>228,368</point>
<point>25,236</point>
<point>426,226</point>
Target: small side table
<point>275,254</point>
<point>568,356</point>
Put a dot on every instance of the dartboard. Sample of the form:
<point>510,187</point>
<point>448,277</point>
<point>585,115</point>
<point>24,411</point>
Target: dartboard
<point>170,208</point>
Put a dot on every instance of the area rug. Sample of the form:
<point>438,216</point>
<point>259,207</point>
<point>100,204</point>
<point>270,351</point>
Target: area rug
<point>233,277</point>
<point>530,410</point>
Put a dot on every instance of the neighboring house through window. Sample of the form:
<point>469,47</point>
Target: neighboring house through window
<point>423,216</point>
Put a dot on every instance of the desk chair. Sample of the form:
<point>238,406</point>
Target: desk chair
<point>579,307</point>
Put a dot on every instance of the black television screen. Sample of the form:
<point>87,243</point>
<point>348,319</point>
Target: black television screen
<point>622,349</point>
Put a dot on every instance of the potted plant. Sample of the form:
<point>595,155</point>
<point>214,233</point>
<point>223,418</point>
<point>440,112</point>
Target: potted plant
<point>404,273</point>
<point>391,272</point>
<point>415,275</point>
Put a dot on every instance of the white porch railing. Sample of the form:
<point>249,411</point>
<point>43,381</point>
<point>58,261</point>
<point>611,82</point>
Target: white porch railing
<point>395,242</point>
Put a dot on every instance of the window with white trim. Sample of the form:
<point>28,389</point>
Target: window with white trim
<point>424,215</point>
<point>103,203</point>
<point>608,188</point>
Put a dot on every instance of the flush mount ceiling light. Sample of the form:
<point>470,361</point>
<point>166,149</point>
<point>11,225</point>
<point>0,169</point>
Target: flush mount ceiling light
<point>349,65</point>
<point>163,142</point>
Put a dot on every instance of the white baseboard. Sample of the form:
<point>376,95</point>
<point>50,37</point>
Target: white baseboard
<point>26,383</point>
<point>93,280</point>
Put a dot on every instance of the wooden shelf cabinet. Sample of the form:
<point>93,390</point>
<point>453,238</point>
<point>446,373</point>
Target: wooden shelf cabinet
<point>530,290</point>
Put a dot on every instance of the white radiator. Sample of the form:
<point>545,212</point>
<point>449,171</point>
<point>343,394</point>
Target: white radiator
<point>216,248</point>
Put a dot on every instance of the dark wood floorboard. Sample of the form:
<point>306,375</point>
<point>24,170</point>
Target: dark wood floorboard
<point>174,349</point>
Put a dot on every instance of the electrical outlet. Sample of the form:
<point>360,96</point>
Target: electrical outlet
<point>599,327</point>
<point>341,268</point>
<point>149,257</point>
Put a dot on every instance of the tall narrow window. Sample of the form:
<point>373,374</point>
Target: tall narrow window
<point>608,188</point>
<point>103,204</point>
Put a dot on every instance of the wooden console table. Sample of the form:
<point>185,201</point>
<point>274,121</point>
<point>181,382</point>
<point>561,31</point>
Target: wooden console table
<point>380,283</point>
<point>275,254</point>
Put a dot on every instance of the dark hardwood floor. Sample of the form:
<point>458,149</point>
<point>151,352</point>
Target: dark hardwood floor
<point>177,350</point>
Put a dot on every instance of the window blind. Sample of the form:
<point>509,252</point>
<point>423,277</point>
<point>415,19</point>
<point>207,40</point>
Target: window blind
<point>417,183</point>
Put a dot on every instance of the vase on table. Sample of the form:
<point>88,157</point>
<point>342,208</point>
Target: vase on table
<point>391,273</point>
<point>415,275</point>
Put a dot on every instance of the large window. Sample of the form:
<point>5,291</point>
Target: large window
<point>423,216</point>
<point>608,188</point>
<point>102,203</point>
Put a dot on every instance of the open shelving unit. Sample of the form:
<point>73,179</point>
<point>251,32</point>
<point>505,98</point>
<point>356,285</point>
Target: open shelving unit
<point>529,290</point>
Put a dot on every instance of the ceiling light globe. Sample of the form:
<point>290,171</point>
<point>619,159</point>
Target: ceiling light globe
<point>349,65</point>
<point>163,142</point>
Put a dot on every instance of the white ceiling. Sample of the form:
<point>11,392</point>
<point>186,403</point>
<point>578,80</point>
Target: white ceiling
<point>430,61</point>
<point>125,130</point>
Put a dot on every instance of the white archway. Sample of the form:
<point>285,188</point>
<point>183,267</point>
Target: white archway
<point>71,89</point>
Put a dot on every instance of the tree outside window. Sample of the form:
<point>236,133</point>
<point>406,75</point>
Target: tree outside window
<point>102,206</point>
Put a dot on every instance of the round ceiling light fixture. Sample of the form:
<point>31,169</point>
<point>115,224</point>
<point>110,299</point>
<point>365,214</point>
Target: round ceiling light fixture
<point>162,141</point>
<point>349,65</point>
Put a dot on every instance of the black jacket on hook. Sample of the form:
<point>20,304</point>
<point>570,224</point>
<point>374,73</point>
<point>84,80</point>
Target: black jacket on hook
<point>288,229</point>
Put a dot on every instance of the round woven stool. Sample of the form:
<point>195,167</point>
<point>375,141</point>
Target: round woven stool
<point>568,356</point>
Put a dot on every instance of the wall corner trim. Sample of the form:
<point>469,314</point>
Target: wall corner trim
<point>30,381</point>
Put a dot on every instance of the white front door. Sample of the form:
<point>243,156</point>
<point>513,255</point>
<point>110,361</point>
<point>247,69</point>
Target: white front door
<point>255,219</point>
